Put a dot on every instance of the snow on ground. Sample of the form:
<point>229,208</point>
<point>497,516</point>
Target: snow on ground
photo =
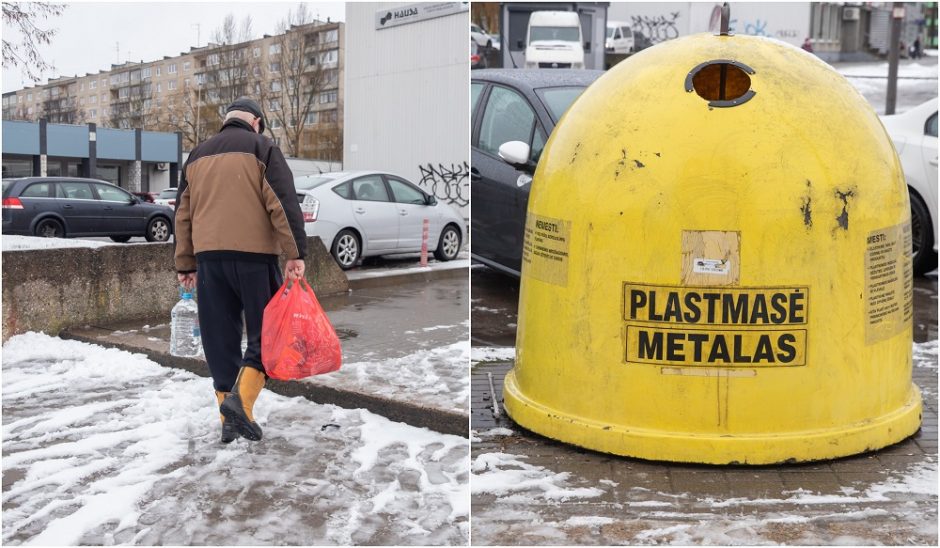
<point>435,377</point>
<point>461,262</point>
<point>17,243</point>
<point>481,354</point>
<point>102,447</point>
<point>516,501</point>
<point>917,82</point>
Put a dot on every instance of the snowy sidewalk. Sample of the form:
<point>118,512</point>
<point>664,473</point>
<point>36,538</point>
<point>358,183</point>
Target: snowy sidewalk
<point>405,352</point>
<point>105,447</point>
<point>527,489</point>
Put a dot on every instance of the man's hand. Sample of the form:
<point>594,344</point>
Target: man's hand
<point>187,280</point>
<point>295,268</point>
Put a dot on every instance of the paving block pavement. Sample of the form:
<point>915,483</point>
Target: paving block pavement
<point>527,489</point>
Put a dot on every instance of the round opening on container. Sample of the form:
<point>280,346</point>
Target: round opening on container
<point>722,83</point>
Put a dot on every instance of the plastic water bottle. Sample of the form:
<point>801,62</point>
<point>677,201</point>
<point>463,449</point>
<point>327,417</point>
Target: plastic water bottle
<point>185,340</point>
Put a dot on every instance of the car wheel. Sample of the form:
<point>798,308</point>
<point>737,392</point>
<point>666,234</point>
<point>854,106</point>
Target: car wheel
<point>158,230</point>
<point>346,249</point>
<point>49,228</point>
<point>120,239</point>
<point>449,244</point>
<point>925,259</point>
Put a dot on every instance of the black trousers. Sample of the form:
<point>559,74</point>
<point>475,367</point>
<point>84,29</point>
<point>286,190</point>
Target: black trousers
<point>225,289</point>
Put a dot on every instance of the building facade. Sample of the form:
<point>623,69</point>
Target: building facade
<point>407,91</point>
<point>297,76</point>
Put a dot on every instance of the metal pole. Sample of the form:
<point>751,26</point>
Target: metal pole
<point>493,393</point>
<point>897,16</point>
<point>725,19</point>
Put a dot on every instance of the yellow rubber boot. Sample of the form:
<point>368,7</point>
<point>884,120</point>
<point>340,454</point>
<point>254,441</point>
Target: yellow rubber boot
<point>228,429</point>
<point>236,407</point>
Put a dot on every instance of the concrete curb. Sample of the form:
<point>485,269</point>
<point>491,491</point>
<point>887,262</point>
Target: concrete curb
<point>447,422</point>
<point>393,278</point>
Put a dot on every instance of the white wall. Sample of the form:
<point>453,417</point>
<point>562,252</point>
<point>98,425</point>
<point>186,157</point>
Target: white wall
<point>781,20</point>
<point>407,96</point>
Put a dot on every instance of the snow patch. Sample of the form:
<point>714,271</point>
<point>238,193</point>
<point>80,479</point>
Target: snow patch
<point>480,354</point>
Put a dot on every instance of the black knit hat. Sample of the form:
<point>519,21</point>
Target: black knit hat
<point>246,104</point>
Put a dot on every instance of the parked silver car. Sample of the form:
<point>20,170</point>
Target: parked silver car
<point>366,213</point>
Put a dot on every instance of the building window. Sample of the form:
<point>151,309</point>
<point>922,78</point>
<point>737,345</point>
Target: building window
<point>159,87</point>
<point>158,71</point>
<point>328,117</point>
<point>29,96</point>
<point>171,69</point>
<point>275,85</point>
<point>93,113</point>
<point>275,67</point>
<point>171,85</point>
<point>275,123</point>
<point>124,93</point>
<point>146,73</point>
<point>93,84</point>
<point>329,36</point>
<point>187,66</point>
<point>328,57</point>
<point>328,97</point>
<point>104,97</point>
<point>291,122</point>
<point>29,111</point>
<point>93,99</point>
<point>81,86</point>
<point>256,52</point>
<point>312,117</point>
<point>212,59</point>
<point>274,105</point>
<point>274,49</point>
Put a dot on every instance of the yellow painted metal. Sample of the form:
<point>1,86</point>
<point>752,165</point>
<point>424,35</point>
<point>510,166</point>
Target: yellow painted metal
<point>792,201</point>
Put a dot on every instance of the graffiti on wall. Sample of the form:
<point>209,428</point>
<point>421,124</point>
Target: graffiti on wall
<point>657,28</point>
<point>758,27</point>
<point>447,182</point>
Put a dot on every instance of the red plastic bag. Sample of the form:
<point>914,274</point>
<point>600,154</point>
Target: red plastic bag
<point>297,339</point>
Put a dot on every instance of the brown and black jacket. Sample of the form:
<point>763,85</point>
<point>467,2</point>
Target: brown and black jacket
<point>237,201</point>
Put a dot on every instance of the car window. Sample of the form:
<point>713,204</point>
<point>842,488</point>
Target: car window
<point>610,31</point>
<point>344,190</point>
<point>931,128</point>
<point>538,143</point>
<point>167,194</point>
<point>311,181</point>
<point>110,193</point>
<point>370,188</point>
<point>74,190</point>
<point>617,34</point>
<point>404,193</point>
<point>508,117</point>
<point>557,100</point>
<point>36,190</point>
<point>476,89</point>
<point>7,185</point>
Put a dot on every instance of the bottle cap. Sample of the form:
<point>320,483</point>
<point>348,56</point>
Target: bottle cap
<point>186,293</point>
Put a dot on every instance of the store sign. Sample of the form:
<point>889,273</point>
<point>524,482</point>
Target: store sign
<point>412,13</point>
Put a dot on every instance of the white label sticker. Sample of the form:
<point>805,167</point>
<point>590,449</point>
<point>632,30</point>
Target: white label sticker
<point>711,266</point>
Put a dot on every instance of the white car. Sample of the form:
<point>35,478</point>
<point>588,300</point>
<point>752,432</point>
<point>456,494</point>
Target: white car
<point>915,137</point>
<point>167,197</point>
<point>483,40</point>
<point>367,213</point>
<point>619,37</point>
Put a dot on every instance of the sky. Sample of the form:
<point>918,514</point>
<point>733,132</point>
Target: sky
<point>89,32</point>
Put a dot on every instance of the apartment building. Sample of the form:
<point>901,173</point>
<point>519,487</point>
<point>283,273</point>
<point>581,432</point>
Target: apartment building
<point>297,76</point>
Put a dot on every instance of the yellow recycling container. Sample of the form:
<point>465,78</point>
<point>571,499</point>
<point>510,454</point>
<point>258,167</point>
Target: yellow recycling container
<point>717,264</point>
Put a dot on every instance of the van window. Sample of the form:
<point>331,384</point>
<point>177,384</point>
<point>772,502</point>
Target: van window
<point>564,34</point>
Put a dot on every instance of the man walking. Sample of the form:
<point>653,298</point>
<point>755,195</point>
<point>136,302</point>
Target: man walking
<point>236,211</point>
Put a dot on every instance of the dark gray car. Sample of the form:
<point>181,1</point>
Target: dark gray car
<point>64,207</point>
<point>511,105</point>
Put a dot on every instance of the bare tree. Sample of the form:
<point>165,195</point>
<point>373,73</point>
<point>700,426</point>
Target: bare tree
<point>296,76</point>
<point>24,17</point>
